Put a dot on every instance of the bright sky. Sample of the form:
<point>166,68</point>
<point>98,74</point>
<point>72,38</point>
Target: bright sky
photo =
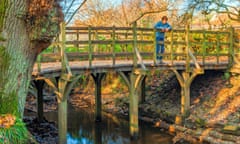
<point>66,4</point>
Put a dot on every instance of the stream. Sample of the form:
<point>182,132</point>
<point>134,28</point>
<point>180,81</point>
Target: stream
<point>82,129</point>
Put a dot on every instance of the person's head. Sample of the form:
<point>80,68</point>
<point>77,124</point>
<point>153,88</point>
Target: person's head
<point>164,19</point>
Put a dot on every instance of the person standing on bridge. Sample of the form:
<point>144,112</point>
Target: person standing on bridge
<point>162,27</point>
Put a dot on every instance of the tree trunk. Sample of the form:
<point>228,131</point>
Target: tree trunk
<point>23,37</point>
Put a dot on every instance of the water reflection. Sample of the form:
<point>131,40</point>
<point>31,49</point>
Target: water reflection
<point>83,130</point>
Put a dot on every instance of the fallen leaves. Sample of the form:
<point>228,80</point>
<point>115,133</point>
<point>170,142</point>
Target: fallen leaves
<point>6,121</point>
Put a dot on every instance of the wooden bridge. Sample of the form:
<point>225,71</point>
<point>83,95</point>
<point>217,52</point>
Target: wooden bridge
<point>130,51</point>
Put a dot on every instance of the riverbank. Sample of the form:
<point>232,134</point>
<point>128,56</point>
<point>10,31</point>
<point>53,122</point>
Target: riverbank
<point>214,113</point>
<point>214,110</point>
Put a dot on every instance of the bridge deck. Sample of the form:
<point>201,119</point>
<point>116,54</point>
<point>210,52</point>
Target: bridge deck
<point>51,69</point>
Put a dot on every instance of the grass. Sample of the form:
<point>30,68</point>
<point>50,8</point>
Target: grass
<point>16,134</point>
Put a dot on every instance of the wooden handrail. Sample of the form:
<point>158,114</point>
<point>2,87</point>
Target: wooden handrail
<point>123,43</point>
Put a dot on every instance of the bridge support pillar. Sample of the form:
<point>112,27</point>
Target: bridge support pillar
<point>62,109</point>
<point>185,79</point>
<point>65,84</point>
<point>134,82</point>
<point>142,90</point>
<point>98,95</point>
<point>39,85</point>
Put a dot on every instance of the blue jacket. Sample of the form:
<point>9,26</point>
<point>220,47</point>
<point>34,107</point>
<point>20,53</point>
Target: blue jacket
<point>160,25</point>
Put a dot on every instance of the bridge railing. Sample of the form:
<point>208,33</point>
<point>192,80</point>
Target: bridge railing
<point>111,43</point>
<point>206,46</point>
<point>115,45</point>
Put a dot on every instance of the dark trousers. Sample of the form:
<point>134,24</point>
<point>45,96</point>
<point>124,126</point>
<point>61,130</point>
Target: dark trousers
<point>159,47</point>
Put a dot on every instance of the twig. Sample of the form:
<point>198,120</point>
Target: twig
<point>76,11</point>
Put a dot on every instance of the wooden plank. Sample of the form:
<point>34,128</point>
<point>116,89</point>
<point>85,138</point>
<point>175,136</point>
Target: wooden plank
<point>104,33</point>
<point>79,67</point>
<point>94,42</point>
<point>76,28</point>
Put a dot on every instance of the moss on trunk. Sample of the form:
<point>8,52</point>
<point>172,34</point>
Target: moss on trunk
<point>20,45</point>
<point>3,7</point>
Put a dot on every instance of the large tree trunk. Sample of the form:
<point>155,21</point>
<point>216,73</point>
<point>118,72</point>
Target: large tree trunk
<point>26,29</point>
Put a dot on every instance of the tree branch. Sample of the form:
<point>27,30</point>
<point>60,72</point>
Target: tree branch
<point>76,11</point>
<point>149,12</point>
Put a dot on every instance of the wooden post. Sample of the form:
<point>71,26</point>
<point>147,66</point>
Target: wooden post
<point>62,121</point>
<point>78,39</point>
<point>185,94</point>
<point>134,44</point>
<point>89,46</point>
<point>133,108</point>
<point>204,51</point>
<point>65,84</point>
<point>142,91</point>
<point>185,79</point>
<point>113,45</point>
<point>134,82</point>
<point>231,49</point>
<point>187,48</point>
<point>39,62</point>
<point>218,47</point>
<point>171,50</point>
<point>154,45</point>
<point>57,79</point>
<point>63,89</point>
<point>39,85</point>
<point>126,45</point>
<point>97,134</point>
<point>141,44</point>
<point>98,95</point>
<point>62,113</point>
<point>62,48</point>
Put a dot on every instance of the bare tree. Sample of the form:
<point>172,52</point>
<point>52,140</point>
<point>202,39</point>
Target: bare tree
<point>96,13</point>
<point>99,12</point>
<point>230,8</point>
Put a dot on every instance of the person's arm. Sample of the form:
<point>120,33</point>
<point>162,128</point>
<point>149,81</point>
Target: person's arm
<point>169,27</point>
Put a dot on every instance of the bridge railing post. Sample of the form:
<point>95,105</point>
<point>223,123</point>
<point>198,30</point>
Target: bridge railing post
<point>113,45</point>
<point>204,47</point>
<point>231,46</point>
<point>39,62</point>
<point>64,59</point>
<point>218,47</point>
<point>63,40</point>
<point>154,45</point>
<point>187,48</point>
<point>90,46</point>
<point>134,44</point>
<point>171,47</point>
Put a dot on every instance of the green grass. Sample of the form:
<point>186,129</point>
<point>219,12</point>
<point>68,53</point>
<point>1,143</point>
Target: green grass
<point>17,134</point>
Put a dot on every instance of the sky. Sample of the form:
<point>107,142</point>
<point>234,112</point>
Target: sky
<point>76,3</point>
